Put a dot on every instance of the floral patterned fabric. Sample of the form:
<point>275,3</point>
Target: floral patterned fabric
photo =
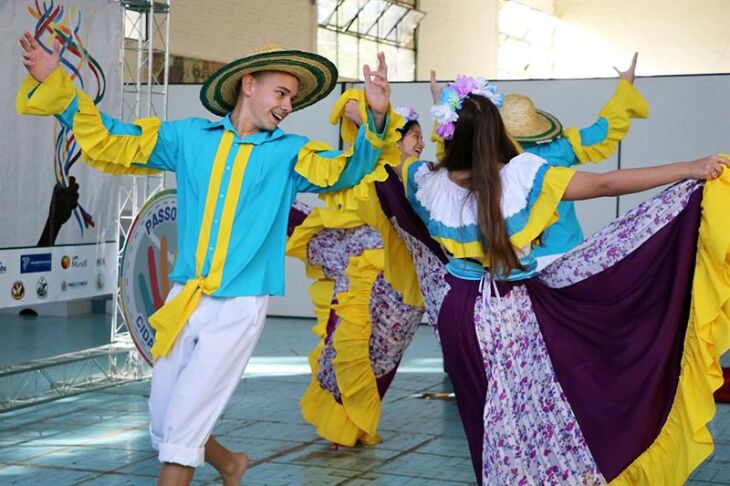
<point>530,430</point>
<point>619,238</point>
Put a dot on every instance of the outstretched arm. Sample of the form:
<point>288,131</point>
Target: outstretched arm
<point>586,185</point>
<point>107,144</point>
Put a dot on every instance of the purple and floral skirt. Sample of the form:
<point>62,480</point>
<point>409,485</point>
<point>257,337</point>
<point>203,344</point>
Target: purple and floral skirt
<point>391,323</point>
<point>568,377</point>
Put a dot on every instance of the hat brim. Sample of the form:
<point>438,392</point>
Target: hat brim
<point>548,128</point>
<point>316,74</point>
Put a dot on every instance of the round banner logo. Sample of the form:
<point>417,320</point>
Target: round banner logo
<point>148,258</point>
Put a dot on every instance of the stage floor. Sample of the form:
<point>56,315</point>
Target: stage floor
<point>100,438</point>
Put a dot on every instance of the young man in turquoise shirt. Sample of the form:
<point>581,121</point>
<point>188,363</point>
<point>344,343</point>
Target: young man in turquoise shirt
<point>236,178</point>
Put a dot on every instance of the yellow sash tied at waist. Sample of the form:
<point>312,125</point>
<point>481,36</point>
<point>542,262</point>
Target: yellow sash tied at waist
<point>169,319</point>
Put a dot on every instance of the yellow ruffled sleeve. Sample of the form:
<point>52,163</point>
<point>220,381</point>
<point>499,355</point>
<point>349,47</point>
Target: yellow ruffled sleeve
<point>321,171</point>
<point>626,103</point>
<point>544,212</point>
<point>113,154</point>
<point>325,172</point>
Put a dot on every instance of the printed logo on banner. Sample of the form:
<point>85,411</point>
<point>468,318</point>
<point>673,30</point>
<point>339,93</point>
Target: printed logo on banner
<point>41,288</point>
<point>17,291</point>
<point>149,254</point>
<point>101,262</point>
<point>3,268</point>
<point>74,262</point>
<point>40,262</point>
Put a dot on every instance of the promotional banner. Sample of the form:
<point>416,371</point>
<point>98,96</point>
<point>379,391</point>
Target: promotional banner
<point>57,215</point>
<point>149,256</point>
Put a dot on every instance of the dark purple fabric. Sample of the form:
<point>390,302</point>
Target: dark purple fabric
<point>296,217</point>
<point>384,381</point>
<point>616,339</point>
<point>463,362</point>
<point>394,204</point>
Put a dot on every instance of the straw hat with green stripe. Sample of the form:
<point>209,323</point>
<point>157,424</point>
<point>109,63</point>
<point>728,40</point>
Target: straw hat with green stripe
<point>525,123</point>
<point>316,74</point>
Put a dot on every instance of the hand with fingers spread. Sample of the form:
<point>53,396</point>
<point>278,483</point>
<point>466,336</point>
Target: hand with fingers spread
<point>709,168</point>
<point>39,63</point>
<point>435,87</point>
<point>630,74</point>
<point>377,90</point>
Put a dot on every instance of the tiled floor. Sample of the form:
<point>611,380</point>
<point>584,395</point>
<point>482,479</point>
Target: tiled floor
<point>100,438</point>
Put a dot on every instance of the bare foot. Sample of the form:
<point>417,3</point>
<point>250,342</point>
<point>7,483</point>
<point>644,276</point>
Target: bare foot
<point>233,477</point>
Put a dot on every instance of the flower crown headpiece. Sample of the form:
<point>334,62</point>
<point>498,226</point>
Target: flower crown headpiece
<point>451,98</point>
<point>407,112</point>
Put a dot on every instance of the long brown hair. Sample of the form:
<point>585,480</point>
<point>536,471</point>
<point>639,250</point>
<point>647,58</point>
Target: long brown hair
<point>479,145</point>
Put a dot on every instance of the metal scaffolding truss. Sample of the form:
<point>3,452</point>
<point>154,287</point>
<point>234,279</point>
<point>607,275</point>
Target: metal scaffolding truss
<point>47,379</point>
<point>144,61</point>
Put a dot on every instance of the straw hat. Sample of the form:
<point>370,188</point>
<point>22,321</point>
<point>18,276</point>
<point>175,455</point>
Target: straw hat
<point>525,123</point>
<point>316,74</point>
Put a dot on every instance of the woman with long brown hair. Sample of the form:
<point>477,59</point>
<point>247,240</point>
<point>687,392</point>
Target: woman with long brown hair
<point>600,367</point>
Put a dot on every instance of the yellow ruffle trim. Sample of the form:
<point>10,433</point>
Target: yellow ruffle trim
<point>321,171</point>
<point>356,418</point>
<point>52,97</point>
<point>113,154</point>
<point>390,155</point>
<point>684,441</point>
<point>460,249</point>
<point>399,269</point>
<point>626,103</point>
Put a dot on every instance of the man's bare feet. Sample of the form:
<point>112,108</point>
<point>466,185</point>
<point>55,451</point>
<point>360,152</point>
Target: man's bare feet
<point>232,476</point>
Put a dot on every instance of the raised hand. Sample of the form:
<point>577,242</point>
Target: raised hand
<point>63,202</point>
<point>435,87</point>
<point>630,74</point>
<point>377,88</point>
<point>709,168</point>
<point>39,63</point>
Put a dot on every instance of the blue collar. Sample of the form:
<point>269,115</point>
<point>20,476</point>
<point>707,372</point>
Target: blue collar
<point>254,139</point>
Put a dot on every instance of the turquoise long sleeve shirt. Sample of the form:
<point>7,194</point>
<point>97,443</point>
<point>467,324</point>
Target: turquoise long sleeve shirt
<point>254,250</point>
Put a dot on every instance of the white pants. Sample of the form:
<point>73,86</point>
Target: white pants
<point>193,383</point>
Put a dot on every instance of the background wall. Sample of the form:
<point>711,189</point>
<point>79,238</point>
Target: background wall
<point>224,30</point>
<point>673,37</point>
<point>686,122</point>
<point>457,37</point>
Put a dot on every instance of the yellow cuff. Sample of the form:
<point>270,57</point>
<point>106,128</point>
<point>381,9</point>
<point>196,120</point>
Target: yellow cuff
<point>51,97</point>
